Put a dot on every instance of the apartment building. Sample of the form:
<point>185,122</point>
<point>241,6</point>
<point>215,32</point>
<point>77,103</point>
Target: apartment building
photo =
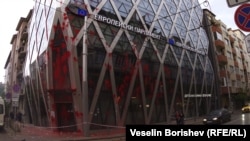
<point>231,63</point>
<point>14,82</point>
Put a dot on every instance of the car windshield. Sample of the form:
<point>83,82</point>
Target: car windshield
<point>216,112</point>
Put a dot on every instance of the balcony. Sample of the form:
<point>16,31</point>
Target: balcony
<point>240,45</point>
<point>223,73</point>
<point>240,89</point>
<point>234,90</point>
<point>222,59</point>
<point>24,35</point>
<point>21,61</point>
<point>238,77</point>
<point>20,74</point>
<point>236,64</point>
<point>242,56</point>
<point>21,53</point>
<point>216,29</point>
<point>19,68</point>
<point>232,40</point>
<point>244,67</point>
<point>219,44</point>
<point>224,90</point>
<point>234,51</point>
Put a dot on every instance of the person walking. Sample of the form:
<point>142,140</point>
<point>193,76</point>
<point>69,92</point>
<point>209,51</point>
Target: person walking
<point>19,119</point>
<point>179,117</point>
<point>182,117</point>
<point>12,116</point>
<point>12,120</point>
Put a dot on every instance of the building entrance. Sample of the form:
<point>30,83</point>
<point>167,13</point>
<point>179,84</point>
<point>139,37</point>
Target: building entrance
<point>65,117</point>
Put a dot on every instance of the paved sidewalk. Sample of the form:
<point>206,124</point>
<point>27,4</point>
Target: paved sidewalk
<point>35,133</point>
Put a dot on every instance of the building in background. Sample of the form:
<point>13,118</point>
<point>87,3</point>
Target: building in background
<point>230,60</point>
<point>247,40</point>
<point>14,83</point>
<point>126,62</point>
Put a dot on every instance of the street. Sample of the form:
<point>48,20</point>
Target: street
<point>240,119</point>
<point>8,136</point>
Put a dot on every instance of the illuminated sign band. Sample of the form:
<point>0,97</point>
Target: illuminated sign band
<point>125,26</point>
<point>197,95</point>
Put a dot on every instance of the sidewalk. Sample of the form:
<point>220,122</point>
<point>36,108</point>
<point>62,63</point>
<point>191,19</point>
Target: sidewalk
<point>35,133</point>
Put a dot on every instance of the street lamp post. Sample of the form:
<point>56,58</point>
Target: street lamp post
<point>84,80</point>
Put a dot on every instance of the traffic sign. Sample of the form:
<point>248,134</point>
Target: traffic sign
<point>15,103</point>
<point>16,88</point>
<point>233,3</point>
<point>8,95</point>
<point>242,17</point>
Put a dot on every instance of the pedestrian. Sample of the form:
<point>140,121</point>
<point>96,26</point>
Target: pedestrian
<point>182,117</point>
<point>12,115</point>
<point>177,117</point>
<point>19,119</point>
<point>7,120</point>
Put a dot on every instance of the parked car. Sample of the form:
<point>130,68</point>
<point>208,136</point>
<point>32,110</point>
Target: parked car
<point>218,116</point>
<point>245,109</point>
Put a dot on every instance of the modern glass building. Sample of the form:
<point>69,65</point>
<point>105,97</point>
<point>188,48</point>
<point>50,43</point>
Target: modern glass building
<point>126,62</point>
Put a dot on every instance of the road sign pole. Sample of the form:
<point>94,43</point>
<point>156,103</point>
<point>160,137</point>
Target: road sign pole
<point>84,81</point>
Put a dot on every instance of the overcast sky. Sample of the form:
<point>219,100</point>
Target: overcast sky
<point>222,11</point>
<point>12,10</point>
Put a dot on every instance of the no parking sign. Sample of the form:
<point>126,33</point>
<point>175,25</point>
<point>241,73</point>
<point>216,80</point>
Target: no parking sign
<point>242,17</point>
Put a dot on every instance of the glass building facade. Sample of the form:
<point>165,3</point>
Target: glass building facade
<point>126,62</point>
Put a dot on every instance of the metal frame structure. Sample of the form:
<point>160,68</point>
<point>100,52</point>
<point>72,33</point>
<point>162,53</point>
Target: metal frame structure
<point>134,74</point>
